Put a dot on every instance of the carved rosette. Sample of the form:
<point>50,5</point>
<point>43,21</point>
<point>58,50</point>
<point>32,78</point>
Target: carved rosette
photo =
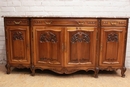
<point>112,37</point>
<point>18,35</point>
<point>80,37</point>
<point>48,37</point>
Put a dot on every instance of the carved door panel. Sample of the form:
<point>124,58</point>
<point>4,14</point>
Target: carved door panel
<point>18,44</point>
<point>80,46</point>
<point>48,45</point>
<point>112,46</point>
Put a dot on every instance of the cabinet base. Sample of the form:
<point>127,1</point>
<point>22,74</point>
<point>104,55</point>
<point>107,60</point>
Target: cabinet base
<point>8,67</point>
<point>110,68</point>
<point>64,70</point>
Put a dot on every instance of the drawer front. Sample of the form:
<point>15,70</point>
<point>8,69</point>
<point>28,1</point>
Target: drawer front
<point>88,22</point>
<point>18,21</point>
<point>114,22</point>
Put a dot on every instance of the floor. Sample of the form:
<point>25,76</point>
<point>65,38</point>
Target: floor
<point>22,78</point>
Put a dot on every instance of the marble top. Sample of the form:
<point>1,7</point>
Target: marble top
<point>67,16</point>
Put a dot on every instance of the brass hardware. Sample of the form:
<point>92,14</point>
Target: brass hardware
<point>17,22</point>
<point>112,23</point>
<point>80,23</point>
<point>48,22</point>
<point>62,46</point>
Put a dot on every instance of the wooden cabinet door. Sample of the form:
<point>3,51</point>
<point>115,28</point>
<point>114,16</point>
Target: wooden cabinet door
<point>80,46</point>
<point>47,45</point>
<point>112,48</point>
<point>18,44</point>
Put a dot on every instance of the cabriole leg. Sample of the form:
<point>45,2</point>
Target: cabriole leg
<point>8,68</point>
<point>96,72</point>
<point>123,72</point>
<point>33,70</point>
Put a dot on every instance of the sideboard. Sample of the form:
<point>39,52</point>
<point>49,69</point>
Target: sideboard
<point>66,44</point>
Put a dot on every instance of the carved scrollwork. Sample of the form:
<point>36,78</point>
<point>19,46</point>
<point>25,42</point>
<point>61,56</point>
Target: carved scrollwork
<point>112,37</point>
<point>91,22</point>
<point>45,59</point>
<point>48,37</point>
<point>64,70</point>
<point>20,66</point>
<point>38,21</point>
<point>80,60</point>
<point>18,35</point>
<point>80,37</point>
<point>110,68</point>
<point>115,22</point>
<point>49,60</point>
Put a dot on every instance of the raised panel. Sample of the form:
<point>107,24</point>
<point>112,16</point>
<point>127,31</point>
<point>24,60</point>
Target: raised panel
<point>112,46</point>
<point>48,45</point>
<point>81,46</point>
<point>18,44</point>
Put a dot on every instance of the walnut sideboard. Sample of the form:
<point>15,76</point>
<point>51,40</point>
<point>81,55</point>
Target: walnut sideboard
<point>66,44</point>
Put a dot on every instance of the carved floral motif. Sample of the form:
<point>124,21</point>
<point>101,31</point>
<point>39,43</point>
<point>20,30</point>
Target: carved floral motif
<point>18,35</point>
<point>48,37</point>
<point>112,37</point>
<point>80,37</point>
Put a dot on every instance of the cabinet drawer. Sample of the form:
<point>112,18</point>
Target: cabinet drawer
<point>88,22</point>
<point>113,22</point>
<point>13,21</point>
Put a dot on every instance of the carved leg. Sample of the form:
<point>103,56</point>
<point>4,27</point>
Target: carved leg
<point>8,68</point>
<point>123,72</point>
<point>96,72</point>
<point>33,70</point>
